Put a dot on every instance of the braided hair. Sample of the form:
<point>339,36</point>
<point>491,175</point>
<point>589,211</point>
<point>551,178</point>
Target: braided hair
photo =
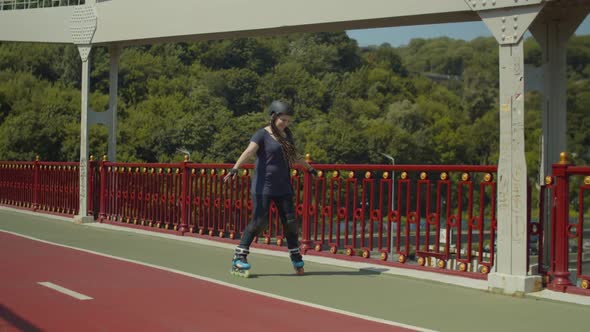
<point>287,145</point>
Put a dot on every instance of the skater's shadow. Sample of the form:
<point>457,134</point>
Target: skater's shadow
<point>360,272</point>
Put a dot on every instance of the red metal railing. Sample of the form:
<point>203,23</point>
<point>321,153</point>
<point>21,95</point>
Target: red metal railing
<point>46,186</point>
<point>140,193</point>
<point>17,183</point>
<point>430,215</point>
<point>436,215</point>
<point>570,254</point>
<point>350,209</point>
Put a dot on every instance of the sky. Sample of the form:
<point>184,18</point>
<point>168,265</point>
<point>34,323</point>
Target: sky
<point>402,35</point>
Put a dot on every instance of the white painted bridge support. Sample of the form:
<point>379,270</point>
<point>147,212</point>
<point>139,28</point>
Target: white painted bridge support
<point>510,273</point>
<point>553,32</point>
<point>82,216</point>
<point>115,53</point>
<point>82,27</point>
<point>508,26</point>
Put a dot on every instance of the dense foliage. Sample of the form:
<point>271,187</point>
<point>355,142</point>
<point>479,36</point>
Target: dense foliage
<point>430,102</point>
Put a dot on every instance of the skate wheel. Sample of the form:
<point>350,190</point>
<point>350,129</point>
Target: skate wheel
<point>300,271</point>
<point>246,274</point>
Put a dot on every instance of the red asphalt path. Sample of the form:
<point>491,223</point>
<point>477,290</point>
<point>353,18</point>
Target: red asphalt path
<point>133,297</point>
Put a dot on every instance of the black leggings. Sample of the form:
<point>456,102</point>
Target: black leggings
<point>261,206</point>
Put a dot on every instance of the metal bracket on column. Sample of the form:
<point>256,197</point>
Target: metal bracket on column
<point>82,27</point>
<point>508,20</point>
<point>104,118</point>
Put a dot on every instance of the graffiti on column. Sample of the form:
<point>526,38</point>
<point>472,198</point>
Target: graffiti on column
<point>83,178</point>
<point>504,162</point>
<point>519,163</point>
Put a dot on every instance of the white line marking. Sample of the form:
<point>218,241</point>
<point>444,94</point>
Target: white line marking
<point>66,291</point>
<point>226,284</point>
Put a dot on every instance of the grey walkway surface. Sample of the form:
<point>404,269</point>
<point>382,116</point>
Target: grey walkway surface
<point>353,288</point>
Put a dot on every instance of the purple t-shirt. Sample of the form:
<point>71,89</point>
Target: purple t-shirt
<point>271,175</point>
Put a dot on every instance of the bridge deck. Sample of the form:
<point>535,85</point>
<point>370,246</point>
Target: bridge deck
<point>404,300</point>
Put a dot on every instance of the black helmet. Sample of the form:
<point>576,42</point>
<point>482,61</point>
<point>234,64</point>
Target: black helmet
<point>279,107</point>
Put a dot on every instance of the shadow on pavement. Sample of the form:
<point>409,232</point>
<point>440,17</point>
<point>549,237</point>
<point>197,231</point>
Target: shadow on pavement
<point>361,272</point>
<point>9,319</point>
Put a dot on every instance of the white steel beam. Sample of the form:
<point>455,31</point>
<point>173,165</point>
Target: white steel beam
<point>42,25</point>
<point>115,52</point>
<point>552,32</point>
<point>82,216</point>
<point>140,21</point>
<point>135,20</point>
<point>510,273</point>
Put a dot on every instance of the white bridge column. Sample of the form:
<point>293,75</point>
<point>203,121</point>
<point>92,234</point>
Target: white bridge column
<point>552,33</point>
<point>508,25</point>
<point>115,53</point>
<point>82,27</point>
<point>82,216</point>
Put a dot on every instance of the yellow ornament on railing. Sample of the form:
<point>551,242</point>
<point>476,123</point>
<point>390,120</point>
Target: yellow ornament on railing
<point>564,158</point>
<point>548,180</point>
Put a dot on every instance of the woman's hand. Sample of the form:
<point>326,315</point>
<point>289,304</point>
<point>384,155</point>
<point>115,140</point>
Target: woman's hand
<point>230,174</point>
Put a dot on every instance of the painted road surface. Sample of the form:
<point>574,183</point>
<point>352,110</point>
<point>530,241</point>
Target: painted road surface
<point>44,287</point>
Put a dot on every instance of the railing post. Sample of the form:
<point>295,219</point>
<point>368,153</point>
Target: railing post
<point>183,196</point>
<point>560,272</point>
<point>91,177</point>
<point>36,184</point>
<point>103,182</point>
<point>305,222</point>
